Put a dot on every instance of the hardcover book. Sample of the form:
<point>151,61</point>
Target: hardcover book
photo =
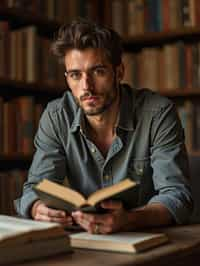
<point>128,242</point>
<point>23,239</point>
<point>60,197</point>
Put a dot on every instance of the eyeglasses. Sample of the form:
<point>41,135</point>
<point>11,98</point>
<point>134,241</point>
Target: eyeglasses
<point>93,73</point>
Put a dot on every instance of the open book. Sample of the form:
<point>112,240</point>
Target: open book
<point>128,242</point>
<point>60,197</point>
<point>23,239</point>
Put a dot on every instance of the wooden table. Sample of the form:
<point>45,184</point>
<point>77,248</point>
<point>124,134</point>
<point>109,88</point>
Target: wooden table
<point>183,249</point>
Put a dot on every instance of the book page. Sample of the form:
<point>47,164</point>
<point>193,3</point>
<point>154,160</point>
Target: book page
<point>12,223</point>
<point>61,192</point>
<point>108,192</point>
<point>123,237</point>
<point>18,228</point>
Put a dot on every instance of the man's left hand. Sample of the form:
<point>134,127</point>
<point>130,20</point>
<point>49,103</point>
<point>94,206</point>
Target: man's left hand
<point>114,220</point>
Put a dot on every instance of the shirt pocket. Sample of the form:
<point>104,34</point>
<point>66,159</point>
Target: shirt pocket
<point>140,170</point>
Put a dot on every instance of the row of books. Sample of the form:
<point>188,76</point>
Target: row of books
<point>26,56</point>
<point>189,113</point>
<point>19,119</point>
<point>11,183</point>
<point>133,17</point>
<point>128,17</point>
<point>59,10</point>
<point>174,66</point>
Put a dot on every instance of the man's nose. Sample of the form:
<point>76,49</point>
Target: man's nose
<point>87,81</point>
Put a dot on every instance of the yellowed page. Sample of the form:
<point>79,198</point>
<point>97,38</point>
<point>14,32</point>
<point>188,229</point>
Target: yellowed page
<point>61,192</point>
<point>18,229</point>
<point>110,191</point>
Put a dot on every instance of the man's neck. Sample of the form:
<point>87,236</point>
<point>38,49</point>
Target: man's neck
<point>101,129</point>
<point>104,123</point>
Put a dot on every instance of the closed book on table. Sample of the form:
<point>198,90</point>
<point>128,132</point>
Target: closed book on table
<point>128,242</point>
<point>23,239</point>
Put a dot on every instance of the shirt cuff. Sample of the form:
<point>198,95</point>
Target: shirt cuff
<point>180,212</point>
<point>23,205</point>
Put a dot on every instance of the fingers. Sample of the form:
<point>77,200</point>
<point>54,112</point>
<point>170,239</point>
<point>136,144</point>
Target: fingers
<point>112,221</point>
<point>44,213</point>
<point>43,209</point>
<point>90,222</point>
<point>83,221</point>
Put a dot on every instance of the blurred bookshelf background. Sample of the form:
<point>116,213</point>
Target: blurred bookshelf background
<point>162,52</point>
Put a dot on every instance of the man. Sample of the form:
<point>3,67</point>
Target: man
<point>101,132</point>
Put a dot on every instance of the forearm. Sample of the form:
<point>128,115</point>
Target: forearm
<point>154,214</point>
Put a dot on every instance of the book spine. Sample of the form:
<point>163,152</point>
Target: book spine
<point>1,125</point>
<point>9,127</point>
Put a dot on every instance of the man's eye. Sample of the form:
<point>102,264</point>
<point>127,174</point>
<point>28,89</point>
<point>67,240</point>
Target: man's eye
<point>99,71</point>
<point>75,75</point>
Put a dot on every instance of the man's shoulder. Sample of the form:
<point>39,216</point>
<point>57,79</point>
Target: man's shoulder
<point>66,102</point>
<point>151,101</point>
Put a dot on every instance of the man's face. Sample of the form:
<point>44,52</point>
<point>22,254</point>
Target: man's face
<point>92,80</point>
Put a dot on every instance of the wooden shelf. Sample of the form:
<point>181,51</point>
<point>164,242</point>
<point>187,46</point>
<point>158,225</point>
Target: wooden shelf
<point>158,38</point>
<point>15,161</point>
<point>15,157</point>
<point>180,92</point>
<point>24,87</point>
<point>194,153</point>
<point>41,87</point>
<point>19,17</point>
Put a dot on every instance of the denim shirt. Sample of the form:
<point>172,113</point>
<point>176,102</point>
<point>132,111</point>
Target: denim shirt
<point>149,148</point>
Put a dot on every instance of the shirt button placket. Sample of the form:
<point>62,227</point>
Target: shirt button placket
<point>140,171</point>
<point>106,178</point>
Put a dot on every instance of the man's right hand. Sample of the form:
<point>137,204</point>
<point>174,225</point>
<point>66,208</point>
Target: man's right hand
<point>41,212</point>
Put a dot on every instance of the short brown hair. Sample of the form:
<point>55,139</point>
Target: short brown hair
<point>82,34</point>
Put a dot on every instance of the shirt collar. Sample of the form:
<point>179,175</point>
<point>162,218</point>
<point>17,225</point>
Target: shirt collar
<point>76,124</point>
<point>127,108</point>
<point>126,119</point>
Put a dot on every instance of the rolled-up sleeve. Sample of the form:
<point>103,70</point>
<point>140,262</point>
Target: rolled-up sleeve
<point>170,165</point>
<point>49,161</point>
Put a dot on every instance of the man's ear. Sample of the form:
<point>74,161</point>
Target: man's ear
<point>120,72</point>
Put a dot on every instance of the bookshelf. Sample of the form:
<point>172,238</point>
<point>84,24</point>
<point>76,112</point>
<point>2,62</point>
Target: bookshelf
<point>44,21</point>
<point>159,38</point>
<point>15,162</point>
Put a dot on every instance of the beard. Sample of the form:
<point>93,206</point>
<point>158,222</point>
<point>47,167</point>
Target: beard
<point>107,99</point>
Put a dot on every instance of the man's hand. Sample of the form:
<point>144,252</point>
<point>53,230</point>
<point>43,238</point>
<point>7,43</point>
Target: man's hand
<point>41,212</point>
<point>119,219</point>
<point>113,221</point>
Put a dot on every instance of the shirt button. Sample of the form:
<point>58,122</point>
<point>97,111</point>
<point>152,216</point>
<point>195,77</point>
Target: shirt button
<point>106,177</point>
<point>93,150</point>
<point>140,171</point>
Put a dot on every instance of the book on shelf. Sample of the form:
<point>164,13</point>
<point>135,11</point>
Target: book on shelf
<point>23,239</point>
<point>127,242</point>
<point>61,197</point>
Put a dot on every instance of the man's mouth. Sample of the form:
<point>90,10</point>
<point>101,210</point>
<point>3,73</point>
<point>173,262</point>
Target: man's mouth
<point>90,98</point>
